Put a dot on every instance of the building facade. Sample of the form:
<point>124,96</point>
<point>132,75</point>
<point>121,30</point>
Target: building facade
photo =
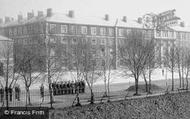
<point>56,34</point>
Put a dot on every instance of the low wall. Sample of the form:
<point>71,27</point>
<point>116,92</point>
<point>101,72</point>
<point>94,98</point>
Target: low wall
<point>168,106</point>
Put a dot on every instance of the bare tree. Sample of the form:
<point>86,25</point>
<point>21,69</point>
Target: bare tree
<point>8,75</point>
<point>170,62</point>
<point>151,64</point>
<point>134,55</point>
<point>25,70</point>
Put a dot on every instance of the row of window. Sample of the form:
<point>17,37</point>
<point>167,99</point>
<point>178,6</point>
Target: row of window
<point>26,29</point>
<point>93,41</point>
<point>56,28</point>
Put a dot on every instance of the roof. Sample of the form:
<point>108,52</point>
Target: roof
<point>64,18</point>
<point>179,28</point>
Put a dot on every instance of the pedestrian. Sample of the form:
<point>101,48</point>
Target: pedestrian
<point>19,91</point>
<point>42,92</point>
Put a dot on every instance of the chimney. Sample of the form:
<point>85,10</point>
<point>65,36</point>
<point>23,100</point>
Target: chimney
<point>30,15</point>
<point>49,12</point>
<point>20,18</point>
<point>71,14</point>
<point>124,19</point>
<point>40,14</point>
<point>7,19</point>
<point>182,24</point>
<point>107,17</point>
<point>139,20</point>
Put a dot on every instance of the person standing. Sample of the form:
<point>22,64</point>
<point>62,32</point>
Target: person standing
<point>2,94</point>
<point>42,92</point>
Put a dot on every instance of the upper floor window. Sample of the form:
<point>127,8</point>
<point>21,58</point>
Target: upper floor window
<point>63,28</point>
<point>52,28</point>
<point>120,32</point>
<point>102,31</point>
<point>94,41</point>
<point>15,31</point>
<point>64,41</point>
<point>20,30</point>
<point>103,41</point>
<point>73,29</point>
<point>93,30</point>
<point>10,32</point>
<point>84,30</point>
<point>25,30</point>
<point>110,31</point>
<point>74,40</point>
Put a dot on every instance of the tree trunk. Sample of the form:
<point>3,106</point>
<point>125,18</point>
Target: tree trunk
<point>136,86</point>
<point>91,97</point>
<point>146,83</point>
<point>179,71</point>
<point>149,90</point>
<point>172,79</point>
<point>28,95</point>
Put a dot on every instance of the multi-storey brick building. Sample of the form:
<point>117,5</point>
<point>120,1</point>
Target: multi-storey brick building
<point>64,31</point>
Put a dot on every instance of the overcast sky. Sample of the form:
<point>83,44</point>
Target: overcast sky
<point>116,8</point>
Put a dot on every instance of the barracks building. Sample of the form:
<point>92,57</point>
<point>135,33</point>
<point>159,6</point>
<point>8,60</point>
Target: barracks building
<point>61,32</point>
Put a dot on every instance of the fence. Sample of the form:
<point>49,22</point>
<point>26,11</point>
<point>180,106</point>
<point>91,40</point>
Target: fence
<point>62,99</point>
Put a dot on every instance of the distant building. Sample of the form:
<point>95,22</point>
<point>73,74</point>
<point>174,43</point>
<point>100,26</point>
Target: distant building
<point>64,31</point>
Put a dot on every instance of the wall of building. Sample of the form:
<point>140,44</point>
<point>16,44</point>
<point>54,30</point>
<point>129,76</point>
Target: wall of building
<point>170,106</point>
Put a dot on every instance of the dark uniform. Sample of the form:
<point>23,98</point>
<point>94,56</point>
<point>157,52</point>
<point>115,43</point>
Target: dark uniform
<point>17,93</point>
<point>2,94</point>
<point>10,93</point>
<point>42,91</point>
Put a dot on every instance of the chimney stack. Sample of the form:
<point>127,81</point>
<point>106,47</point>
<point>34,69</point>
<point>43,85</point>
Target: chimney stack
<point>40,14</point>
<point>182,24</point>
<point>106,17</point>
<point>139,20</point>
<point>71,14</point>
<point>20,18</point>
<point>30,15</point>
<point>124,19</point>
<point>49,12</point>
<point>7,19</point>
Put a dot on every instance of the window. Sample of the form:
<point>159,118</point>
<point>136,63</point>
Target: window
<point>110,30</point>
<point>74,40</point>
<point>103,41</point>
<point>20,30</point>
<point>64,41</point>
<point>15,31</point>
<point>84,30</point>
<point>52,40</point>
<point>93,41</point>
<point>52,28</point>
<point>93,30</point>
<point>10,32</point>
<point>102,31</point>
<point>63,28</point>
<point>52,52</point>
<point>120,32</point>
<point>73,29</point>
<point>25,30</point>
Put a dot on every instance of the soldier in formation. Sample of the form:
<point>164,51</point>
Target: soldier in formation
<point>69,87</point>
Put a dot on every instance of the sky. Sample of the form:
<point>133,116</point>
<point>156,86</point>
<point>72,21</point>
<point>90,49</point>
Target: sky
<point>115,8</point>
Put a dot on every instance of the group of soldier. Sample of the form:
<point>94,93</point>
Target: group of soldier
<point>69,87</point>
<point>10,93</point>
